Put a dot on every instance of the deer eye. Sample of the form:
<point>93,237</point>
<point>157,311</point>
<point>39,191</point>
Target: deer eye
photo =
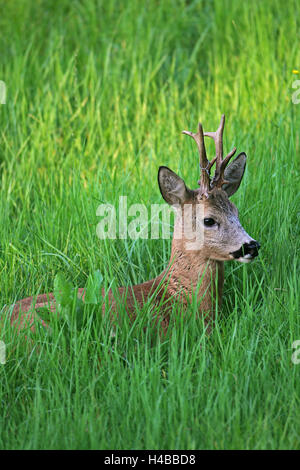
<point>209,222</point>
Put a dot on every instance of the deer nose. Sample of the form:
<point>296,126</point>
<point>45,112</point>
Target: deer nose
<point>251,248</point>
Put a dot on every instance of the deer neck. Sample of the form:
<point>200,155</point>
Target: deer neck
<point>190,272</point>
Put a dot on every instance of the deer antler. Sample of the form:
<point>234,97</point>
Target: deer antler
<point>205,164</point>
<point>221,163</point>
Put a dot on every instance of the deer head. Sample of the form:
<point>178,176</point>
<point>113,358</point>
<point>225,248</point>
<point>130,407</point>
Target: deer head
<point>219,229</point>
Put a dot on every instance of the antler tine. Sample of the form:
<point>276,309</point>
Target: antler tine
<point>221,163</point>
<point>205,164</point>
<point>199,139</point>
<point>218,138</point>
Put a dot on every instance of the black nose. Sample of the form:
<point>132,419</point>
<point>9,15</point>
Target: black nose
<point>251,248</point>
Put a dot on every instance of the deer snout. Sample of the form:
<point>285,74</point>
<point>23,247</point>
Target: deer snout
<point>247,252</point>
<point>252,248</point>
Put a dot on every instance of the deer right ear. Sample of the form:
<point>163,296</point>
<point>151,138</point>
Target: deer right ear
<point>172,187</point>
<point>234,174</point>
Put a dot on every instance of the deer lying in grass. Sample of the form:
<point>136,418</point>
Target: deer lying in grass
<point>198,254</point>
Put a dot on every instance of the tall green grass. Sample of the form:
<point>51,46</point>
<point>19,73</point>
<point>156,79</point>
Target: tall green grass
<point>97,95</point>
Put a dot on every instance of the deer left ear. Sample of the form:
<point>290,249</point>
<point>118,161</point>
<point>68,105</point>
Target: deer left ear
<point>172,187</point>
<point>234,174</point>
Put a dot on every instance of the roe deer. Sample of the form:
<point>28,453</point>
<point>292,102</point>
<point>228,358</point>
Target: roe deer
<point>195,267</point>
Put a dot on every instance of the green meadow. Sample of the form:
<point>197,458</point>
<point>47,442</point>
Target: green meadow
<point>97,94</point>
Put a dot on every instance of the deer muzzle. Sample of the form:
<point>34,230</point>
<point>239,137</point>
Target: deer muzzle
<point>247,252</point>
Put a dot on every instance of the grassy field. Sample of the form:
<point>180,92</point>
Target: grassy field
<point>97,95</point>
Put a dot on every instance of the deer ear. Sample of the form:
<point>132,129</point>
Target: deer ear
<point>234,174</point>
<point>172,187</point>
